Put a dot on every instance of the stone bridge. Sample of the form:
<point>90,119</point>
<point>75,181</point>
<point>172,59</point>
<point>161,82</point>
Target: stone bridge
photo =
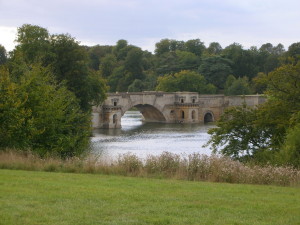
<point>167,107</point>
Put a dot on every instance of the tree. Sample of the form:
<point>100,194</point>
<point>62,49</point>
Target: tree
<point>115,78</point>
<point>64,56</point>
<point>234,52</point>
<point>162,47</point>
<point>107,65</point>
<point>70,64</point>
<point>96,55</point>
<point>260,133</point>
<point>269,57</point>
<point>41,115</point>
<point>187,60</point>
<point>290,153</point>
<point>3,56</point>
<point>15,119</point>
<point>34,42</point>
<point>238,135</point>
<point>167,63</point>
<point>136,86</point>
<point>121,49</point>
<point>239,86</point>
<point>195,46</point>
<point>214,48</point>
<point>216,70</point>
<point>134,62</point>
<point>185,81</point>
<point>294,51</point>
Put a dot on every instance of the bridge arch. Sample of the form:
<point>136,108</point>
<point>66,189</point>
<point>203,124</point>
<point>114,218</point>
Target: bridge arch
<point>149,112</point>
<point>208,117</point>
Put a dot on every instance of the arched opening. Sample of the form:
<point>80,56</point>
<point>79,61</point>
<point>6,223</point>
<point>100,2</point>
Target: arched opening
<point>193,115</point>
<point>115,118</point>
<point>182,114</point>
<point>149,113</point>
<point>208,117</point>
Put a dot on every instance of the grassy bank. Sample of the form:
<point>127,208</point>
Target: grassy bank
<point>30,197</point>
<point>194,167</point>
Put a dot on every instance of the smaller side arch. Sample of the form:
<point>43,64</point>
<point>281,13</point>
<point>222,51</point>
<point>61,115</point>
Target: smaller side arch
<point>182,114</point>
<point>209,117</point>
<point>115,118</point>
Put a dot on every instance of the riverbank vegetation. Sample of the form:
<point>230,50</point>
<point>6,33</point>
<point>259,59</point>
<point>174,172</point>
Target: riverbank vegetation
<point>270,132</point>
<point>193,167</point>
<point>29,197</point>
<point>49,83</point>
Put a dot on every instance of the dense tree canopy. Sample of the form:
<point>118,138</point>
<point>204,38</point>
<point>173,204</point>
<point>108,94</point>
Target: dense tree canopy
<point>67,59</point>
<point>39,114</point>
<point>216,69</point>
<point>185,81</point>
<point>267,133</point>
<point>3,56</point>
<point>46,93</point>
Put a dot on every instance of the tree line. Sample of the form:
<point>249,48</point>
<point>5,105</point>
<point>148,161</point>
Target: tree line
<point>230,71</point>
<point>49,82</point>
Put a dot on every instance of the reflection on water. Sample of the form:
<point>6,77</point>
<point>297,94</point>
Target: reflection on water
<point>144,139</point>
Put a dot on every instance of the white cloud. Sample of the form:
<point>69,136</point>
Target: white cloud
<point>7,37</point>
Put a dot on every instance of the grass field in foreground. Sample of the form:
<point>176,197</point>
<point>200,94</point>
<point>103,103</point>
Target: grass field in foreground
<point>28,197</point>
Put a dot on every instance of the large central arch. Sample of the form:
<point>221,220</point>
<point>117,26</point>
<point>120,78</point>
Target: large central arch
<point>150,113</point>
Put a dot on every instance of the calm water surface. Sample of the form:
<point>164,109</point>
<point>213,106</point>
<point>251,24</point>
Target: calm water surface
<point>143,139</point>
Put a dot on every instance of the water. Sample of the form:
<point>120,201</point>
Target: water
<point>144,139</point>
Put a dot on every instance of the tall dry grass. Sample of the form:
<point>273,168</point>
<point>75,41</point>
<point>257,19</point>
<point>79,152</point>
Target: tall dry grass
<point>194,167</point>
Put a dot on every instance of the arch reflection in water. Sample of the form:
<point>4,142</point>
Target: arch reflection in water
<point>145,139</point>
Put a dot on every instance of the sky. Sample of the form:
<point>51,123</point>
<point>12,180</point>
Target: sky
<point>145,22</point>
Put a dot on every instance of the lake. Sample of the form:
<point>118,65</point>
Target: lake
<point>144,139</point>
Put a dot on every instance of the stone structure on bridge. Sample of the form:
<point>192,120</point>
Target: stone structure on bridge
<point>167,107</point>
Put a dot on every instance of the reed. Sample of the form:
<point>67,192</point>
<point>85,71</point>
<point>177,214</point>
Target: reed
<point>194,167</point>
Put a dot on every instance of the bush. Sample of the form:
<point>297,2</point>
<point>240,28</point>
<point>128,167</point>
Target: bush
<point>38,114</point>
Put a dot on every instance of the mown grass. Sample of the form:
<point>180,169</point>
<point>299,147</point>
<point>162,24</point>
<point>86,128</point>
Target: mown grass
<point>31,197</point>
<point>193,167</point>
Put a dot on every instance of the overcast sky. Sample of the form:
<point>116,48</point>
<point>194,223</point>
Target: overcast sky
<point>145,22</point>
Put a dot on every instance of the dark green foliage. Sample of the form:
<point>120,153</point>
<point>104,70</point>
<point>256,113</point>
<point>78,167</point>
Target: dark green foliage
<point>294,51</point>
<point>195,46</point>
<point>133,62</point>
<point>136,86</point>
<point>269,133</point>
<point>96,53</point>
<point>34,43</point>
<point>115,78</point>
<point>185,81</point>
<point>3,55</point>
<point>172,56</point>
<point>41,115</point>
<point>238,135</point>
<point>15,118</point>
<point>269,57</point>
<point>290,152</point>
<point>239,86</point>
<point>107,65</point>
<point>214,48</point>
<point>64,56</point>
<point>216,70</point>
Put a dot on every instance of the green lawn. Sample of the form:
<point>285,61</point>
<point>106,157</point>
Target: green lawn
<point>63,198</point>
